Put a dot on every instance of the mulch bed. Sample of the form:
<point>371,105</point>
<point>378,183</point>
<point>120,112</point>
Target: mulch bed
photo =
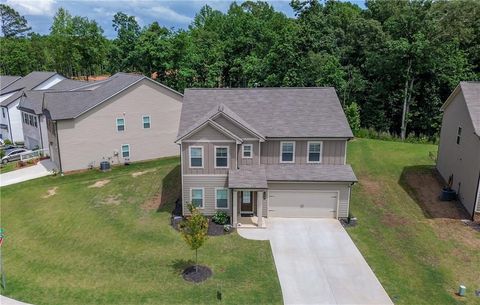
<point>196,274</point>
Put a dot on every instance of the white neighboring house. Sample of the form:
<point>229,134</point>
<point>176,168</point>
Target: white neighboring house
<point>11,90</point>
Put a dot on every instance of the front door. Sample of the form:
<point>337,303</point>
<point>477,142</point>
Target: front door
<point>246,202</point>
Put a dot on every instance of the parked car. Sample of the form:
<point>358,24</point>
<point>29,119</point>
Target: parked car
<point>13,154</point>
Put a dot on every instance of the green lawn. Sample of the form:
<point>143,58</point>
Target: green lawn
<point>109,245</point>
<point>419,258</point>
<point>10,166</point>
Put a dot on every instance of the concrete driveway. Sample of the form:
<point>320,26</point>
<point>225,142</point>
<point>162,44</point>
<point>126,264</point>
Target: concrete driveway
<point>41,169</point>
<point>318,263</point>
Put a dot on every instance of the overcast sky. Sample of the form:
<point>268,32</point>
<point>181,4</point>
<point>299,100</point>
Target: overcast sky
<point>169,13</point>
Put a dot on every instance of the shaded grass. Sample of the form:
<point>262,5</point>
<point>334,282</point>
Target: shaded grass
<point>10,166</point>
<point>80,246</point>
<point>401,243</point>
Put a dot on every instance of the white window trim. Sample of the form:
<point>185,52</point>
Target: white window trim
<point>281,155</point>
<point>203,196</point>
<point>228,198</point>
<point>121,150</point>
<point>190,157</point>
<point>124,124</point>
<point>308,151</point>
<point>215,156</point>
<point>149,121</point>
<point>243,151</point>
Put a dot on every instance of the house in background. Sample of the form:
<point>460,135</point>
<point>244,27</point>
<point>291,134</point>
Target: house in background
<point>124,118</point>
<point>459,149</point>
<point>34,122</point>
<point>11,117</point>
<point>265,152</point>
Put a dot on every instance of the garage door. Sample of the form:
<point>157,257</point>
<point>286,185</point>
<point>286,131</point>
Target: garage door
<point>302,203</point>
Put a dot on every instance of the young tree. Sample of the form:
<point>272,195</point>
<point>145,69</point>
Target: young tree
<point>352,112</point>
<point>194,231</point>
<point>13,24</point>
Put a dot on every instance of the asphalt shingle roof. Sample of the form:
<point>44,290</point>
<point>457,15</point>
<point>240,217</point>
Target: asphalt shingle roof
<point>273,112</point>
<point>6,80</point>
<point>310,172</point>
<point>28,82</point>
<point>248,177</point>
<point>471,93</point>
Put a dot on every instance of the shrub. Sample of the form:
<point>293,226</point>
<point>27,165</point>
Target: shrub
<point>221,218</point>
<point>7,142</point>
<point>352,112</point>
<point>2,153</point>
<point>370,133</point>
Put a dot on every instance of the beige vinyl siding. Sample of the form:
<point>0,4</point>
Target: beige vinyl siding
<point>208,158</point>
<point>93,137</point>
<point>248,161</point>
<point>333,151</point>
<point>52,145</point>
<point>208,133</point>
<point>343,189</point>
<point>463,160</point>
<point>234,128</point>
<point>208,183</point>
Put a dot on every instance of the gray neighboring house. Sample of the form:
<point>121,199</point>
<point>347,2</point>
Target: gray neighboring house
<point>459,149</point>
<point>34,122</point>
<point>125,118</point>
<point>265,152</point>
<point>10,95</point>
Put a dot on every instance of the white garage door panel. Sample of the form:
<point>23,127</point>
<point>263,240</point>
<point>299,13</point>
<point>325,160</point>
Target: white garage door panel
<point>302,203</point>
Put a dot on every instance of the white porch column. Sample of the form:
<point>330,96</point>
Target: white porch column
<point>234,209</point>
<point>260,209</point>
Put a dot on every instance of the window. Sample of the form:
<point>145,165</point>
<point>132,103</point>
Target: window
<point>30,119</point>
<point>197,197</point>
<point>25,118</point>
<point>459,135</point>
<point>146,121</point>
<point>246,197</point>
<point>287,152</point>
<point>196,156</point>
<point>221,198</point>
<point>221,156</point>
<point>126,151</point>
<point>120,124</point>
<point>3,112</point>
<point>247,150</point>
<point>35,121</point>
<point>314,152</point>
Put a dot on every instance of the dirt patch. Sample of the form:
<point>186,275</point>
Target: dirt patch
<point>197,273</point>
<point>137,174</point>
<point>99,183</point>
<point>393,221</point>
<point>111,200</point>
<point>153,203</point>
<point>427,187</point>
<point>51,192</point>
<point>374,188</point>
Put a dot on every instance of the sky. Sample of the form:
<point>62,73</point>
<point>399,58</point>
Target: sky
<point>169,13</point>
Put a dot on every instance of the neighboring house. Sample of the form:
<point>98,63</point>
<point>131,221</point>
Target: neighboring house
<point>11,117</point>
<point>34,122</point>
<point>459,149</point>
<point>122,119</point>
<point>265,152</point>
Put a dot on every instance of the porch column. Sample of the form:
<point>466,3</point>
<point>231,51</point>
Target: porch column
<point>234,209</point>
<point>260,209</point>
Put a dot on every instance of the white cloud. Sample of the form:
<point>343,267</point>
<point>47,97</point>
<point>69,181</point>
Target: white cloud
<point>165,13</point>
<point>33,7</point>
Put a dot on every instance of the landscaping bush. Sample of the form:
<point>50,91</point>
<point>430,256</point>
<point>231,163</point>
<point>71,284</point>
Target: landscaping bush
<point>7,142</point>
<point>221,218</point>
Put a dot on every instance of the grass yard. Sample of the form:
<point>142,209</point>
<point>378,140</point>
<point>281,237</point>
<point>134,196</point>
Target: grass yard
<point>416,245</point>
<point>10,166</point>
<point>97,238</point>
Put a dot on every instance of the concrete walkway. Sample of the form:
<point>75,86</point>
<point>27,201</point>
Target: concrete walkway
<point>8,301</point>
<point>43,168</point>
<point>318,263</point>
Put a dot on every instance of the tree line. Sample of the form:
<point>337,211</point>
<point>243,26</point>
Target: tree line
<point>394,60</point>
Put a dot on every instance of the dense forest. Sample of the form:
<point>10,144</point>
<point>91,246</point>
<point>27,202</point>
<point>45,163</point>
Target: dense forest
<point>396,60</point>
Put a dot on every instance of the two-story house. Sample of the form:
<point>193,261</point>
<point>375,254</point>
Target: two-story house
<point>11,118</point>
<point>265,152</point>
<point>459,148</point>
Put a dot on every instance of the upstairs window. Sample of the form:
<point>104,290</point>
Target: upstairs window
<point>120,124</point>
<point>314,152</point>
<point>247,151</point>
<point>3,112</point>
<point>287,152</point>
<point>459,135</point>
<point>221,156</point>
<point>146,121</point>
<point>126,151</point>
<point>196,156</point>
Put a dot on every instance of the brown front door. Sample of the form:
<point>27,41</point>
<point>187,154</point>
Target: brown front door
<point>246,202</point>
